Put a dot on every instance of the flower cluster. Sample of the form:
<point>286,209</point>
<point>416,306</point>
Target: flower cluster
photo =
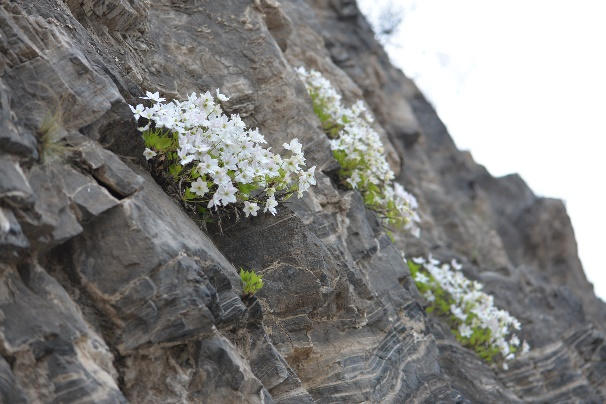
<point>474,319</point>
<point>359,150</point>
<point>216,159</point>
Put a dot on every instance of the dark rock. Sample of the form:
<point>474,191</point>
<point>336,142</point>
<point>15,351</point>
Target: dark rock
<point>52,351</point>
<point>87,195</point>
<point>14,139</point>
<point>106,167</point>
<point>121,15</point>
<point>10,390</point>
<point>58,216</point>
<point>164,295</point>
<point>209,370</point>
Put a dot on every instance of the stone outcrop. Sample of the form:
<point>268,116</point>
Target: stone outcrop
<point>110,292</point>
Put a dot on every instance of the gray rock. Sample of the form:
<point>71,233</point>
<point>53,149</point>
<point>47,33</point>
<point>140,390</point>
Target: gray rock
<point>14,188</point>
<point>48,343</point>
<point>10,390</point>
<point>164,295</point>
<point>58,216</point>
<point>117,15</point>
<point>106,167</point>
<point>551,373</point>
<point>14,139</point>
<point>13,243</point>
<point>208,370</point>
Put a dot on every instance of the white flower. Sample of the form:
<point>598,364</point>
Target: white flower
<point>224,152</point>
<point>137,111</point>
<point>207,165</point>
<point>294,146</point>
<point>215,202</point>
<point>227,193</point>
<point>153,97</point>
<point>250,208</point>
<point>514,340</point>
<point>255,136</point>
<point>354,179</point>
<point>199,187</point>
<point>465,330</point>
<point>458,312</point>
<point>148,153</point>
<point>222,177</point>
<point>310,177</point>
<point>271,205</point>
<point>421,278</point>
<point>363,150</point>
<point>187,159</point>
<point>471,300</point>
<point>221,97</point>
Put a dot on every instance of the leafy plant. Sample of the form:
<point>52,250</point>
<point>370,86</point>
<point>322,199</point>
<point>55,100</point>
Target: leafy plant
<point>251,282</point>
<point>359,150</point>
<point>215,161</point>
<point>474,320</point>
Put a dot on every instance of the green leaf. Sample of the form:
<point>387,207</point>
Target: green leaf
<point>193,174</point>
<point>163,144</point>
<point>251,282</point>
<point>247,188</point>
<point>188,195</point>
<point>414,268</point>
<point>151,139</point>
<point>175,170</point>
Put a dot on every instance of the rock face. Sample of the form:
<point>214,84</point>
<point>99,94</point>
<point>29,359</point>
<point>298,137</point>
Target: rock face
<point>109,292</point>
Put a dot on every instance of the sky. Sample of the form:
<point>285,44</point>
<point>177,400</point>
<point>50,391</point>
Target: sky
<point>521,84</point>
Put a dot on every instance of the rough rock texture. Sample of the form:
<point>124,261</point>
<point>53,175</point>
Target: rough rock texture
<point>109,292</point>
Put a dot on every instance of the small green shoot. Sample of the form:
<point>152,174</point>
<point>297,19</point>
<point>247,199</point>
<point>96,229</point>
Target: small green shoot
<point>251,282</point>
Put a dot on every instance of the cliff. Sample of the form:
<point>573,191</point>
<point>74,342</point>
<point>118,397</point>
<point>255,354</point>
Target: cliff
<point>110,292</point>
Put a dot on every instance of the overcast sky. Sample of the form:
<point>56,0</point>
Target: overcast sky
<point>522,85</point>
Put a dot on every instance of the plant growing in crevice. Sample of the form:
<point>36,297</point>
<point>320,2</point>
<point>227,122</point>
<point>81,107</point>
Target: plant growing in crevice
<point>50,137</point>
<point>473,319</point>
<point>359,150</point>
<point>215,161</point>
<point>251,282</point>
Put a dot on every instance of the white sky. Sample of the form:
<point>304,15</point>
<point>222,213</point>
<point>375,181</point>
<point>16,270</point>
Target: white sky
<point>522,85</point>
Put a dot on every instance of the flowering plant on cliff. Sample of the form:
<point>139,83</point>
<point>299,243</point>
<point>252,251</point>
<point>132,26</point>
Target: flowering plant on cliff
<point>359,150</point>
<point>474,320</point>
<point>215,160</point>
